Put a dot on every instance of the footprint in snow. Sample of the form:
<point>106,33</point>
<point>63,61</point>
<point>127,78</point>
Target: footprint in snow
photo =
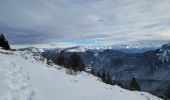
<point>74,81</point>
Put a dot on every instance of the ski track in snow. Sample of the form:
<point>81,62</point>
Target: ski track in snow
<point>14,82</point>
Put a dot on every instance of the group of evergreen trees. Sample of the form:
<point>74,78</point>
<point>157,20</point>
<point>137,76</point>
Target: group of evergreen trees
<point>4,43</point>
<point>61,60</point>
<point>74,62</point>
<point>106,78</point>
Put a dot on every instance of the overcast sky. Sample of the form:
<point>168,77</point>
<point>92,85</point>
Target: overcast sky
<point>49,21</point>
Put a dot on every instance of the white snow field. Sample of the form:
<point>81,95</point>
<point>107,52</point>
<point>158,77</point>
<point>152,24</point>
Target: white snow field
<point>23,78</point>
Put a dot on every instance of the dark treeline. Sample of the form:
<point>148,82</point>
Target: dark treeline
<point>106,78</point>
<point>74,62</point>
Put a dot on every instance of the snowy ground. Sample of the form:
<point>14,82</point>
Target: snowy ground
<point>28,79</point>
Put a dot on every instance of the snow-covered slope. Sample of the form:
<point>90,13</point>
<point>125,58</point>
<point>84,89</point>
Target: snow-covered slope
<point>23,78</point>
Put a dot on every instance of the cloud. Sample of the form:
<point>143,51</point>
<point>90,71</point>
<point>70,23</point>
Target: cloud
<point>46,21</point>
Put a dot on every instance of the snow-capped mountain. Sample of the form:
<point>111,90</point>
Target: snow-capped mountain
<point>128,46</point>
<point>24,78</point>
<point>164,53</point>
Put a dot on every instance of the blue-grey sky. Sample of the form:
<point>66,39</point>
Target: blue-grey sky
<point>49,21</point>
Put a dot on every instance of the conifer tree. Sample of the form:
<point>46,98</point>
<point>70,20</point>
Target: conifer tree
<point>76,62</point>
<point>134,84</point>
<point>60,60</point>
<point>92,71</point>
<point>108,79</point>
<point>4,43</point>
<point>104,76</point>
<point>119,84</point>
<point>98,74</point>
<point>114,82</point>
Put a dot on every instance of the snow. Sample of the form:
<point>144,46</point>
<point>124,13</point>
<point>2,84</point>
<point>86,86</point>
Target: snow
<point>44,46</point>
<point>79,49</point>
<point>164,55</point>
<point>24,78</point>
